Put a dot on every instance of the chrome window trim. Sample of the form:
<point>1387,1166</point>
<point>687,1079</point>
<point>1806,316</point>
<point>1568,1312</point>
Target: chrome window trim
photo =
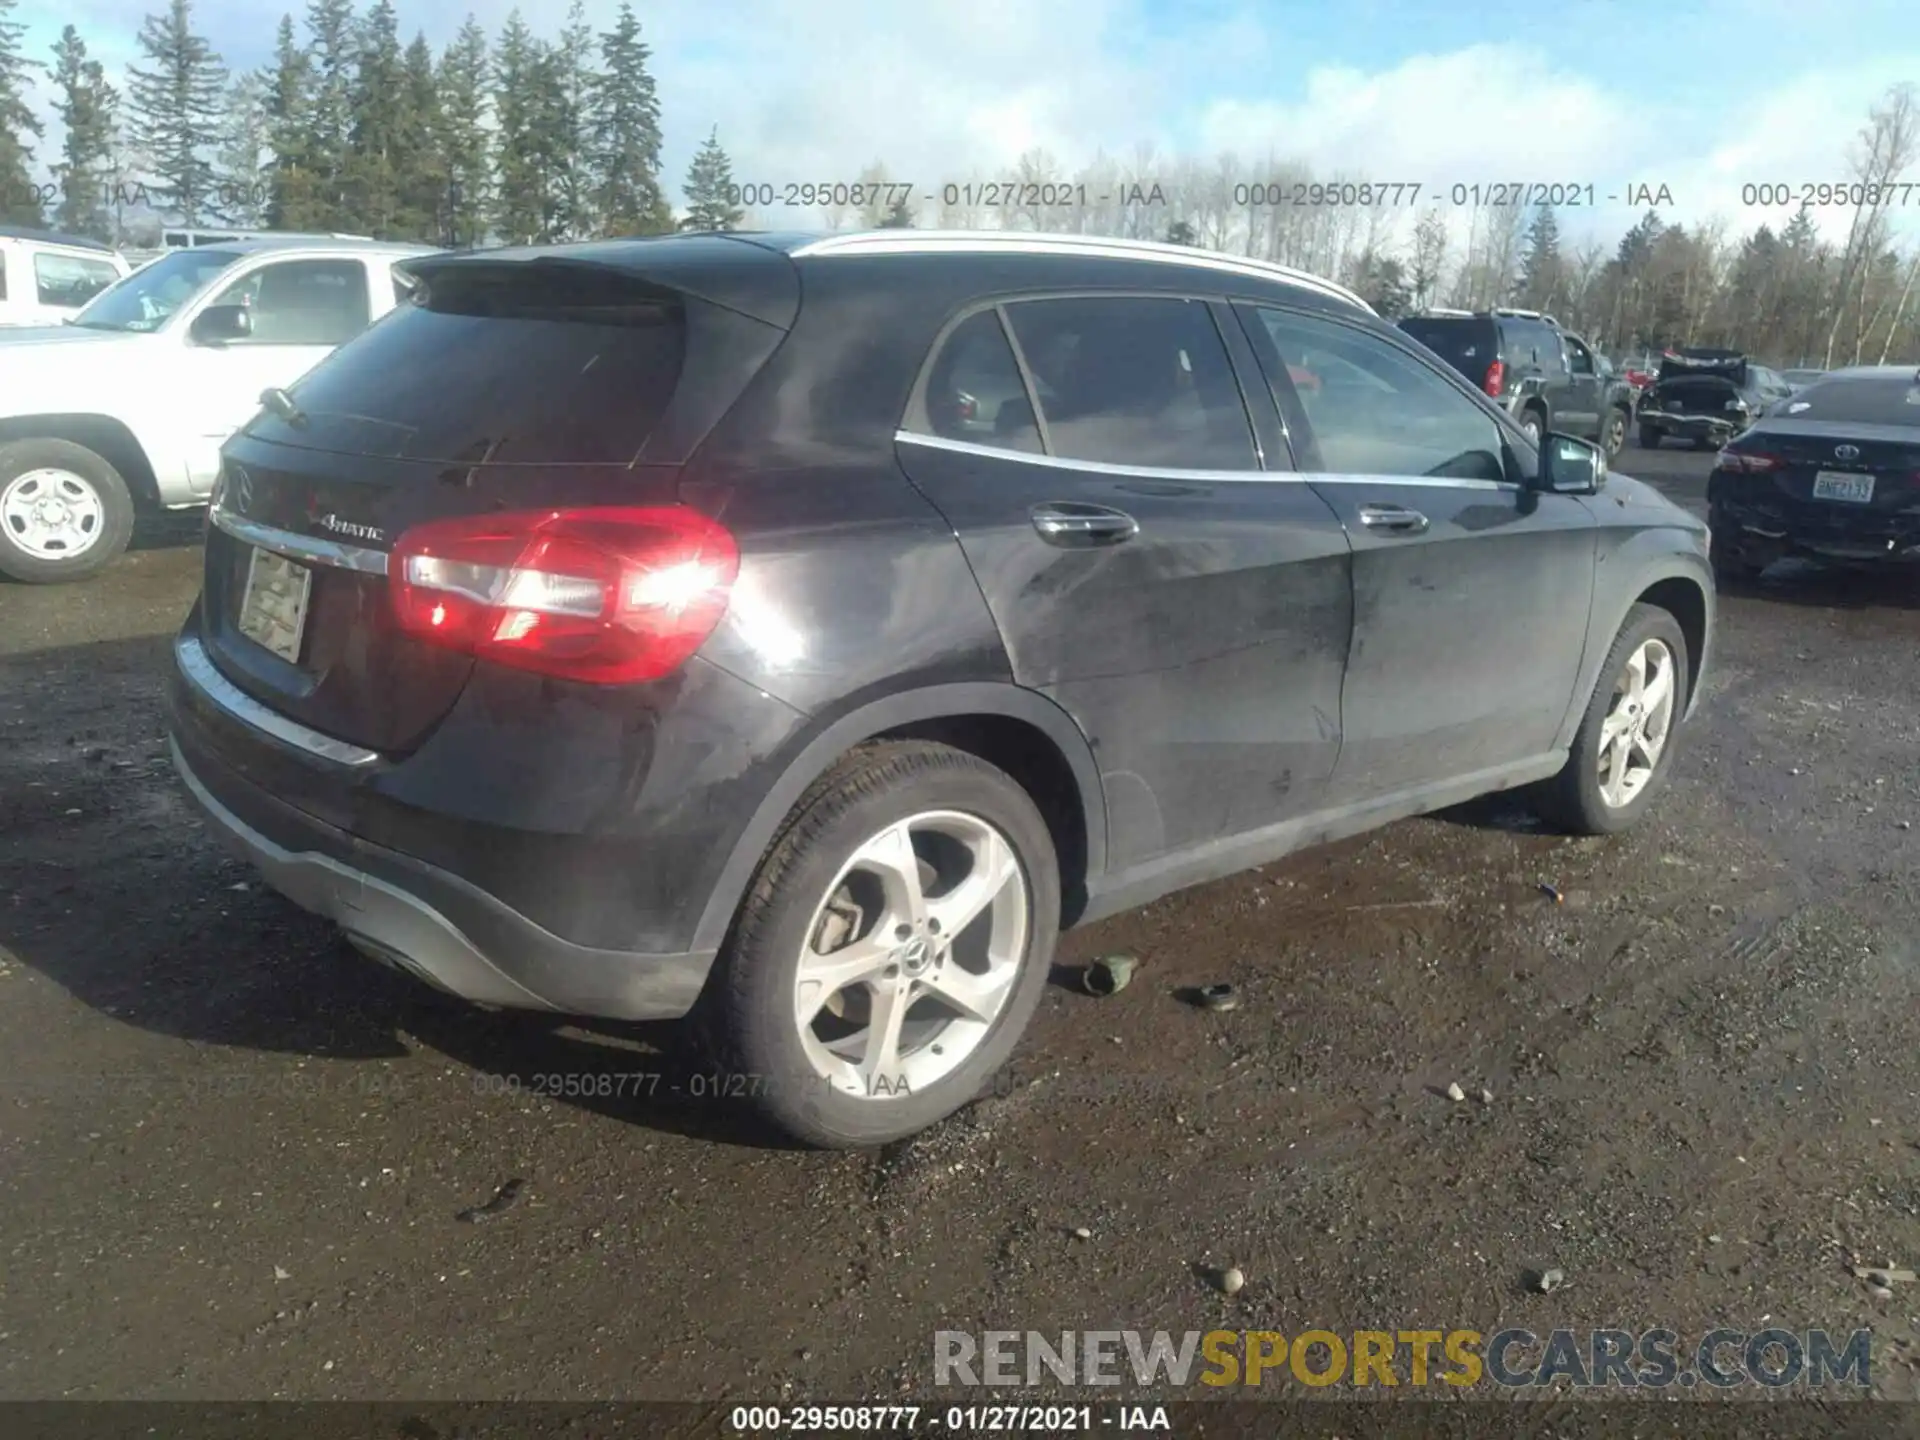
<point>1056,462</point>
<point>200,671</point>
<point>1147,472</point>
<point>939,242</point>
<point>311,548</point>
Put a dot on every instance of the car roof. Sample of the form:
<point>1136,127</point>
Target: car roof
<point>313,242</point>
<point>56,238</point>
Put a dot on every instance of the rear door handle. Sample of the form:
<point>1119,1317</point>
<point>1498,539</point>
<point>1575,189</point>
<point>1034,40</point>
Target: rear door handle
<point>1075,526</point>
<point>1395,519</point>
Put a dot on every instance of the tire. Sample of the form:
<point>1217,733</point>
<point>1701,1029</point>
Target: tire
<point>1705,444</point>
<point>65,513</point>
<point>751,1013</point>
<point>1535,427</point>
<point>1613,432</point>
<point>1574,799</point>
<point>1649,438</point>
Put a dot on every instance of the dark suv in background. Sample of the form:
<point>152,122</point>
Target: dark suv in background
<point>1547,378</point>
<point>799,632</point>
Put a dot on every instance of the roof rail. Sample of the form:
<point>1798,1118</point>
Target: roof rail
<point>54,237</point>
<point>1440,311</point>
<point>1528,315</point>
<point>1039,242</point>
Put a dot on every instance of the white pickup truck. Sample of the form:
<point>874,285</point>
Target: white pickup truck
<point>129,401</point>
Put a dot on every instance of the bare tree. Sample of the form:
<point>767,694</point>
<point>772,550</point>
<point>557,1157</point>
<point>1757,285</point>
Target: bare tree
<point>1884,152</point>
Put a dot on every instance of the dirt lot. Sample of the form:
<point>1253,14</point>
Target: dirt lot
<point>232,1152</point>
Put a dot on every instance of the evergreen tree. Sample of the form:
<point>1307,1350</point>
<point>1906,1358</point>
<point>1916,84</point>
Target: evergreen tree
<point>292,190</point>
<point>1543,268</point>
<point>19,126</point>
<point>333,56</point>
<point>899,216</point>
<point>1382,281</point>
<point>241,165</point>
<point>1181,232</point>
<point>626,135</point>
<point>570,118</point>
<point>86,105</point>
<point>176,105</point>
<point>465,144</point>
<point>376,105</point>
<point>710,190</point>
<point>518,206</point>
<point>420,172</point>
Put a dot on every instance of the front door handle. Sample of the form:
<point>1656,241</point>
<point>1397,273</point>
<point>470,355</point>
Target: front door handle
<point>1395,519</point>
<point>1076,526</point>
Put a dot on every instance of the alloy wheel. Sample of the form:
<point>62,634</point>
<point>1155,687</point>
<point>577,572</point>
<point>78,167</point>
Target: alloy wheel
<point>912,955</point>
<point>1638,724</point>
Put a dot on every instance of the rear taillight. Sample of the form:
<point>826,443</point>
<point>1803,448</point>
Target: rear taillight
<point>1496,378</point>
<point>611,596</point>
<point>1741,463</point>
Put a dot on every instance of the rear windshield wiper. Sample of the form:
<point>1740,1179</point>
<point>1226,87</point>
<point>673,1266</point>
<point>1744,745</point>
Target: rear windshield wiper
<point>281,403</point>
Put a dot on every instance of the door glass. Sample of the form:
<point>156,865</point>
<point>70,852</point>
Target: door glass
<point>303,302</point>
<point>67,281</point>
<point>974,390</point>
<point>1139,382</point>
<point>1375,410</point>
<point>1578,359</point>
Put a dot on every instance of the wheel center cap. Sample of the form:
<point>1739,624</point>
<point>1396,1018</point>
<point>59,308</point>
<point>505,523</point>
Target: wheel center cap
<point>915,956</point>
<point>53,512</point>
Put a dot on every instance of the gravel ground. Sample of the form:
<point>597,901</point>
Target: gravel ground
<point>232,1152</point>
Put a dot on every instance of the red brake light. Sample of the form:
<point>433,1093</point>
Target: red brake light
<point>1496,377</point>
<point>610,596</point>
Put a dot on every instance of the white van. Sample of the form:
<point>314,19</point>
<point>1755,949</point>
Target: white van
<point>46,277</point>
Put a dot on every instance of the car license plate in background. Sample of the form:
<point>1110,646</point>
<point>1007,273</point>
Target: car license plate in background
<point>1842,485</point>
<point>273,608</point>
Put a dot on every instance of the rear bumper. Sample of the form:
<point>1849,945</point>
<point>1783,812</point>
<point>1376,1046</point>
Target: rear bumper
<point>1689,427</point>
<point>1829,534</point>
<point>434,925</point>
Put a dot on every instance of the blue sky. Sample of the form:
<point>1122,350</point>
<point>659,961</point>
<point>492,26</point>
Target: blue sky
<point>1696,95</point>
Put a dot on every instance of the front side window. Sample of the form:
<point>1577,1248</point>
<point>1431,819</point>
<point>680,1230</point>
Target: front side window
<point>1579,358</point>
<point>974,390</point>
<point>1373,409</point>
<point>1135,381</point>
<point>303,302</point>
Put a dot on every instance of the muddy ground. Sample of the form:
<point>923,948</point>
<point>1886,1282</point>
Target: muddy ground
<point>232,1152</point>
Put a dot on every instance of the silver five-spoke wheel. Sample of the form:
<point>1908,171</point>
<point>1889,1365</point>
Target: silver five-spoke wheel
<point>1638,722</point>
<point>52,514</point>
<point>912,955</point>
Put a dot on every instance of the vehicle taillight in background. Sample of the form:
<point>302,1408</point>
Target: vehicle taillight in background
<point>609,596</point>
<point>1741,463</point>
<point>1496,379</point>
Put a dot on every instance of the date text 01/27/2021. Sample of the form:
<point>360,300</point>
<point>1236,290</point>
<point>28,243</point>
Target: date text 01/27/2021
<point>1257,195</point>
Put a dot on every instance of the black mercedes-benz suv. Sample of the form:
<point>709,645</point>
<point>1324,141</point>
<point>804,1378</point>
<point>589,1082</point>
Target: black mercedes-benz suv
<point>796,633</point>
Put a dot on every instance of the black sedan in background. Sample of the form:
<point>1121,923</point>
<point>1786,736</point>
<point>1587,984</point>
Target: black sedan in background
<point>1706,396</point>
<point>1832,474</point>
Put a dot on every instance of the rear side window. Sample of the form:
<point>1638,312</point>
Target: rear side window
<point>1859,402</point>
<point>1528,343</point>
<point>509,363</point>
<point>68,281</point>
<point>1469,346</point>
<point>1135,381</point>
<point>974,390</point>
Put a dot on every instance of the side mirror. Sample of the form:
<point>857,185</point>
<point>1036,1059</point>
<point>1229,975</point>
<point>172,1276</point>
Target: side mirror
<point>218,324</point>
<point>1571,467</point>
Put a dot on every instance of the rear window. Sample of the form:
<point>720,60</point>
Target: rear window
<point>514,363</point>
<point>1860,402</point>
<point>1469,346</point>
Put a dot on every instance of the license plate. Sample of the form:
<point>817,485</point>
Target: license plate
<point>273,607</point>
<point>1843,485</point>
